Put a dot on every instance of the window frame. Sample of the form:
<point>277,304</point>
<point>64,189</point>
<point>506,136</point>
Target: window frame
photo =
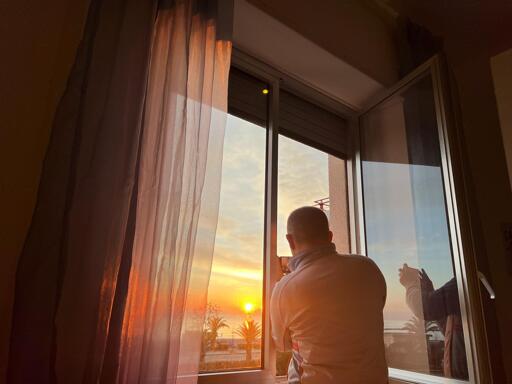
<point>464,266</point>
<point>476,343</point>
<point>277,81</point>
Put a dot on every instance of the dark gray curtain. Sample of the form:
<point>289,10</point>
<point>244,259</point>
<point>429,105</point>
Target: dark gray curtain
<point>416,44</point>
<point>69,290</point>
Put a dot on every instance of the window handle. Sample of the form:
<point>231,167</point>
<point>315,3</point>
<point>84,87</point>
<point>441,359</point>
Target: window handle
<point>487,285</point>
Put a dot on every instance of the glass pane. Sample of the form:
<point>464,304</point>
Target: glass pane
<point>308,176</point>
<point>232,334</point>
<point>406,223</point>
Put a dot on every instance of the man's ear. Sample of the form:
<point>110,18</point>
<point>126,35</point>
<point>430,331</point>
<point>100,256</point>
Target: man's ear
<point>291,241</point>
<point>330,235</point>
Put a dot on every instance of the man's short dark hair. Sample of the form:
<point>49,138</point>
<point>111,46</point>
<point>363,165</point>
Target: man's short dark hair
<point>308,224</point>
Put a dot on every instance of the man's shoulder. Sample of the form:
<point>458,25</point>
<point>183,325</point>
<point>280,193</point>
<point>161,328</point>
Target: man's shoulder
<point>363,260</point>
<point>285,281</point>
<point>364,264</point>
<point>354,256</point>
<point>308,271</point>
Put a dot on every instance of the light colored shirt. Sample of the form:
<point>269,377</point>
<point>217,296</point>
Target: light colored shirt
<point>328,310</point>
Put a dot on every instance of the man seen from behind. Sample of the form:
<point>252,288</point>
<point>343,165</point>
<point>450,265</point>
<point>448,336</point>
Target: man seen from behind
<point>328,309</point>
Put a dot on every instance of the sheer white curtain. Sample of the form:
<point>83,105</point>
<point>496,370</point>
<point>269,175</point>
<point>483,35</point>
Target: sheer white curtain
<point>178,196</point>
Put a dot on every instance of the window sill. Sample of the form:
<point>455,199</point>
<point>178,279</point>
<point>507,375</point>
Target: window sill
<point>246,377</point>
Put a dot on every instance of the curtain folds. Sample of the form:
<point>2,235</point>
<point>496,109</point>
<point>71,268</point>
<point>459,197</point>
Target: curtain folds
<point>178,198</point>
<point>67,272</point>
<point>112,281</point>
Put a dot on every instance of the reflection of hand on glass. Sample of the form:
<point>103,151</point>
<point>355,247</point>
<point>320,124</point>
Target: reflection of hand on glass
<point>408,276</point>
<point>441,306</point>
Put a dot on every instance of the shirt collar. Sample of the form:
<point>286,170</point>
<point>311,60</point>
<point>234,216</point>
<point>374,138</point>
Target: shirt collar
<point>310,254</point>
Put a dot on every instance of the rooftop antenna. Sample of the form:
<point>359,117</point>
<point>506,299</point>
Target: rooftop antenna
<point>323,204</point>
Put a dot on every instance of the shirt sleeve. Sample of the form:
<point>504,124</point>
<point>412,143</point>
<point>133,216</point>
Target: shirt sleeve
<point>442,302</point>
<point>414,299</point>
<point>280,332</point>
<point>433,304</point>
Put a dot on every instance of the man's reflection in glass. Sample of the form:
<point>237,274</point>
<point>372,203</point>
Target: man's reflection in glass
<point>440,305</point>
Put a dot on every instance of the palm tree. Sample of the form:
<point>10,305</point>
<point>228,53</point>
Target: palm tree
<point>250,331</point>
<point>213,324</point>
<point>420,332</point>
<point>417,326</point>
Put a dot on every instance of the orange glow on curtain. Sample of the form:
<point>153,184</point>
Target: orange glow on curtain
<point>178,198</point>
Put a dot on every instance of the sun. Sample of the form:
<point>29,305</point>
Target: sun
<point>248,307</point>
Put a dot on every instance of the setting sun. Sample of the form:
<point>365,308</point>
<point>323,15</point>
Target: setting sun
<point>248,307</point>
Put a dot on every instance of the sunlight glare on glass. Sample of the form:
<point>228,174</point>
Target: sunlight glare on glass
<point>248,307</point>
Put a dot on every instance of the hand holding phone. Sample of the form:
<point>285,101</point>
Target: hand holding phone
<point>408,276</point>
<point>426,283</point>
<point>284,265</point>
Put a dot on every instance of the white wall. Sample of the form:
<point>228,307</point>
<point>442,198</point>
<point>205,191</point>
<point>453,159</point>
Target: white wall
<point>274,43</point>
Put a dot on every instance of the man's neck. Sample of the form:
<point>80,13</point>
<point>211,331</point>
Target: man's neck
<point>309,252</point>
<point>310,248</point>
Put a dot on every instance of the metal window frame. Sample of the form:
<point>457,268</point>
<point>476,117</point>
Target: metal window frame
<point>276,80</point>
<point>464,265</point>
<point>476,347</point>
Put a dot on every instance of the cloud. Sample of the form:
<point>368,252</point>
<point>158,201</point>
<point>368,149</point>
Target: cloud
<point>238,273</point>
<point>237,269</point>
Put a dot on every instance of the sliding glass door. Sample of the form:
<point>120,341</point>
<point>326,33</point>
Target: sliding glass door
<point>410,231</point>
